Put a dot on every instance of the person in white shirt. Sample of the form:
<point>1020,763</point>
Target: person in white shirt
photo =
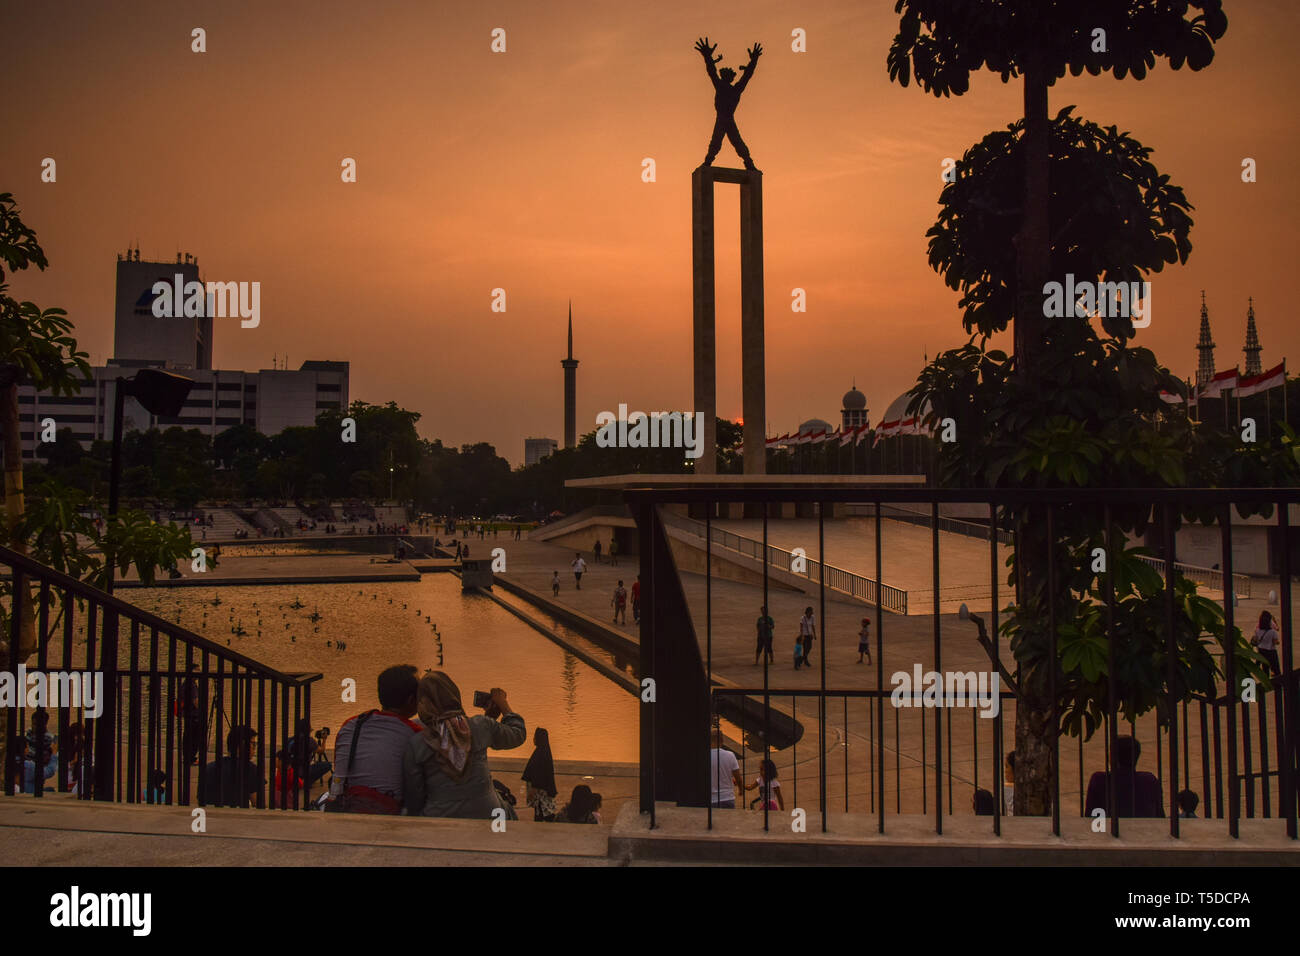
<point>808,632</point>
<point>578,566</point>
<point>1266,639</point>
<point>724,774</point>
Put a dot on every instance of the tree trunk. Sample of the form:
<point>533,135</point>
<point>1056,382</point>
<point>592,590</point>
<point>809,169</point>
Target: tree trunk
<point>1034,733</point>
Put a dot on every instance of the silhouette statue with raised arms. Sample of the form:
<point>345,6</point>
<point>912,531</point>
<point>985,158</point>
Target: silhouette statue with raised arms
<point>726,98</point>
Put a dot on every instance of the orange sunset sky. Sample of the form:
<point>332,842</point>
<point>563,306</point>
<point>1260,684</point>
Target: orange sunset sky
<point>522,170</point>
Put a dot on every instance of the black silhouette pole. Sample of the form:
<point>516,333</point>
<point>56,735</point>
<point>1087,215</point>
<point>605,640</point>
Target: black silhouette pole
<point>726,98</point>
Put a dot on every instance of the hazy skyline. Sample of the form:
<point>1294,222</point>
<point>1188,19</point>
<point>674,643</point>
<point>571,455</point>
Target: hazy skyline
<point>522,170</point>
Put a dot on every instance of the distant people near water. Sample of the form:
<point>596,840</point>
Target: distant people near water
<point>1009,784</point>
<point>766,626</point>
<point>555,583</point>
<point>1266,640</point>
<point>157,791</point>
<point>539,778</point>
<point>72,747</point>
<point>370,747</point>
<point>581,807</point>
<point>619,602</point>
<point>724,774</point>
<point>807,631</point>
<point>595,549</point>
<point>302,749</point>
<point>636,600</point>
<point>193,731</point>
<point>1137,793</point>
<point>286,785</point>
<point>1188,801</point>
<point>445,765</point>
<point>27,766</point>
<point>983,803</point>
<point>232,780</point>
<point>768,787</point>
<point>578,566</point>
<point>864,640</point>
<point>613,551</point>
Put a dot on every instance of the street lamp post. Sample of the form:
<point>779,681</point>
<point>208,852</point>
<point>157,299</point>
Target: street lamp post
<point>161,393</point>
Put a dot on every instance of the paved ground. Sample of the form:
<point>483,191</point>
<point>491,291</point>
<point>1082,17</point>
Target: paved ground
<point>288,569</point>
<point>58,831</point>
<point>906,559</point>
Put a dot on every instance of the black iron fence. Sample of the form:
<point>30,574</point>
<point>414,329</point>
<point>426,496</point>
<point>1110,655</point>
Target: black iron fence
<point>849,749</point>
<point>147,711</point>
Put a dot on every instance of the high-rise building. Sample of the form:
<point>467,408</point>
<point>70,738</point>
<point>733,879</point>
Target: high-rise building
<point>142,338</point>
<point>269,400</point>
<point>1204,348</point>
<point>535,449</point>
<point>570,391</point>
<point>1252,349</point>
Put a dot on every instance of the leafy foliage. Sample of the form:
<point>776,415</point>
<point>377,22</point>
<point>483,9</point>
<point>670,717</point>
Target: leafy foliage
<point>1119,217</point>
<point>942,42</point>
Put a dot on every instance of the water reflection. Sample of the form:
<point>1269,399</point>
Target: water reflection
<point>361,629</point>
<point>570,678</point>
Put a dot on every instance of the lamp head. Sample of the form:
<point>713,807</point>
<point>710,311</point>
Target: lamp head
<point>161,393</point>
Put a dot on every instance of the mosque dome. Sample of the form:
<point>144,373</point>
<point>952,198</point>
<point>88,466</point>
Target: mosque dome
<point>815,426</point>
<point>854,400</point>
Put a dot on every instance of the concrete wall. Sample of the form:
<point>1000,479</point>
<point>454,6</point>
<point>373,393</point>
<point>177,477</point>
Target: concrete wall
<point>1201,545</point>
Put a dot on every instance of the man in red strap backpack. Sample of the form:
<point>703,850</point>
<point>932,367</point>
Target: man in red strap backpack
<point>370,780</point>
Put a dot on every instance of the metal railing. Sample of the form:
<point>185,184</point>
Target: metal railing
<point>1236,748</point>
<point>167,699</point>
<point>1210,577</point>
<point>837,579</point>
<point>879,758</point>
<point>970,529</point>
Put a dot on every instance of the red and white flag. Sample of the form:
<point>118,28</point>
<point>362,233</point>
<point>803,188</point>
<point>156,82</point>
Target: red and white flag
<point>1170,398</point>
<point>847,435</point>
<point>1224,381</point>
<point>1273,378</point>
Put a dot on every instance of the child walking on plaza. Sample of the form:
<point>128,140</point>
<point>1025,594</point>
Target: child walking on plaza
<point>555,583</point>
<point>798,651</point>
<point>769,788</point>
<point>864,640</point>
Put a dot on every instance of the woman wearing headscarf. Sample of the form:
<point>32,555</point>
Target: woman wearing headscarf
<point>445,766</point>
<point>581,807</point>
<point>539,777</point>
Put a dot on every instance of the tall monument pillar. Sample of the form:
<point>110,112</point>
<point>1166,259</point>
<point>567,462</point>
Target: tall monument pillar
<point>753,374</point>
<point>570,365</point>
